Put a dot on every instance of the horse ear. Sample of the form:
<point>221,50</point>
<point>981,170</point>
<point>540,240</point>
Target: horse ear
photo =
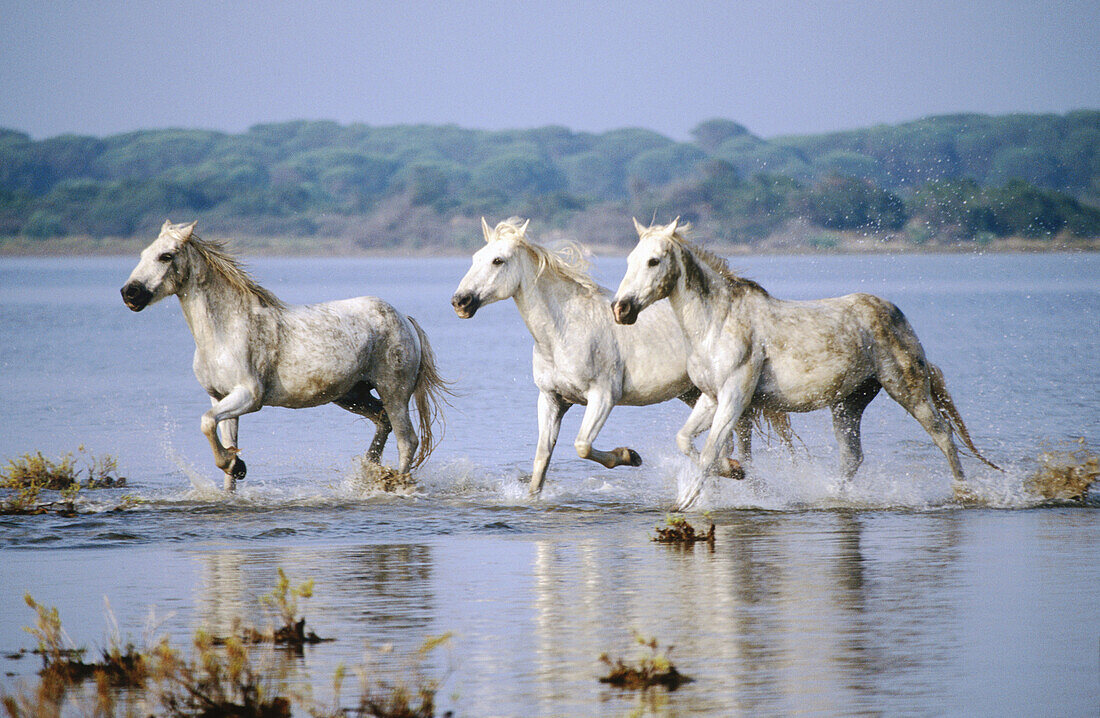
<point>486,231</point>
<point>638,226</point>
<point>186,230</point>
<point>671,228</point>
<point>523,229</point>
<point>164,227</point>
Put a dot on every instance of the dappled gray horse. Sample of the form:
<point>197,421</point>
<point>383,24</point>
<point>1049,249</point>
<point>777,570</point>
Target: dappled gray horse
<point>252,350</point>
<point>580,355</point>
<point>750,349</point>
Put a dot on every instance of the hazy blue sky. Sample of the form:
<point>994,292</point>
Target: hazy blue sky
<point>778,67</point>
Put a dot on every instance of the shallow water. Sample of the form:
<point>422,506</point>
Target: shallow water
<point>888,597</point>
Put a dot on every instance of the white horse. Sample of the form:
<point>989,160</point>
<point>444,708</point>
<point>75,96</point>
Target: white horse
<point>252,350</point>
<point>580,355</point>
<point>749,349</point>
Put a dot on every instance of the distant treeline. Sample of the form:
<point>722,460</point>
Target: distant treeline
<point>941,179</point>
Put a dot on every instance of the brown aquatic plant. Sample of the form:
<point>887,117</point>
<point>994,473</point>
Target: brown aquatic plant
<point>677,530</point>
<point>284,600</point>
<point>412,696</point>
<point>1066,473</point>
<point>220,677</point>
<point>218,680</point>
<point>27,476</point>
<point>652,668</point>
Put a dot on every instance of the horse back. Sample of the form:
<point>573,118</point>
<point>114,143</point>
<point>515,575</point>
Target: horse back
<point>325,349</point>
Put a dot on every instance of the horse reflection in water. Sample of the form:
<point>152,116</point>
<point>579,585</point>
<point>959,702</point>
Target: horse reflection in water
<point>580,355</point>
<point>252,350</point>
<point>749,349</point>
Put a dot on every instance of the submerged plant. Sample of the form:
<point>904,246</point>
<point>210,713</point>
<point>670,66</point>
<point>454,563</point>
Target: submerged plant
<point>678,531</point>
<point>652,668</point>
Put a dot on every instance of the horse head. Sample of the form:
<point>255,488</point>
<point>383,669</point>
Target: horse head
<point>651,271</point>
<point>162,269</point>
<point>496,270</point>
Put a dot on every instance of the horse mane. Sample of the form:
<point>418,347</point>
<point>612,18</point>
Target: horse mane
<point>566,262</point>
<point>221,262</point>
<point>713,261</point>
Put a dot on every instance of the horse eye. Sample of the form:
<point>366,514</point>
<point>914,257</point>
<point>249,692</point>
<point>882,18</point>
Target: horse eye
<point>166,257</point>
<point>498,261</point>
<point>653,262</point>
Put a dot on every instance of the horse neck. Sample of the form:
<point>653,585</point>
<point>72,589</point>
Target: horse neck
<point>214,309</point>
<point>702,314</point>
<point>544,303</point>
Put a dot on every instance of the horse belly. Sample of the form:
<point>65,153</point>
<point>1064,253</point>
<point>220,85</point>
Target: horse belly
<point>314,376</point>
<point>789,384</point>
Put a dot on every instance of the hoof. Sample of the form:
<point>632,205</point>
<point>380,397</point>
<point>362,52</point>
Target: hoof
<point>237,469</point>
<point>964,494</point>
<point>628,457</point>
<point>731,469</point>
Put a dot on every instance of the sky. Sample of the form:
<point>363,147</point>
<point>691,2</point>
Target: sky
<point>778,67</point>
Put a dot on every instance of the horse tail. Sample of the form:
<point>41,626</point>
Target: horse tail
<point>770,423</point>
<point>429,394</point>
<point>943,402</point>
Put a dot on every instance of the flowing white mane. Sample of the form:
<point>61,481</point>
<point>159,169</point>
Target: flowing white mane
<point>567,262</point>
<point>218,259</point>
<point>680,237</point>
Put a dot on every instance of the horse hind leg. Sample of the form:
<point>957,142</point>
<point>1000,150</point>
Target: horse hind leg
<point>360,401</point>
<point>916,398</point>
<point>847,416</point>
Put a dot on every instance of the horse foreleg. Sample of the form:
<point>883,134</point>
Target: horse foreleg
<point>697,422</point>
<point>241,400</point>
<point>729,412</point>
<point>599,407</point>
<point>551,408</point>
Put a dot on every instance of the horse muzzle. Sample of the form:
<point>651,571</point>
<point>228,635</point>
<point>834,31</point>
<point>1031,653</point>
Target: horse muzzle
<point>465,305</point>
<point>625,311</point>
<point>136,296</point>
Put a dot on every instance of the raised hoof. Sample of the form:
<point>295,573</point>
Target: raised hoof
<point>237,469</point>
<point>731,469</point>
<point>628,457</point>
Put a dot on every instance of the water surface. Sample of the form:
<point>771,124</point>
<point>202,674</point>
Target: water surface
<point>889,598</point>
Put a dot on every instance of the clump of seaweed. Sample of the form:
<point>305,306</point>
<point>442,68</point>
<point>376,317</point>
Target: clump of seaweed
<point>31,474</point>
<point>652,668</point>
<point>1066,473</point>
<point>678,531</point>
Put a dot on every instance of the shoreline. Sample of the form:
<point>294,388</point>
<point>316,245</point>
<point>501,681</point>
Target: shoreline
<point>338,247</point>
